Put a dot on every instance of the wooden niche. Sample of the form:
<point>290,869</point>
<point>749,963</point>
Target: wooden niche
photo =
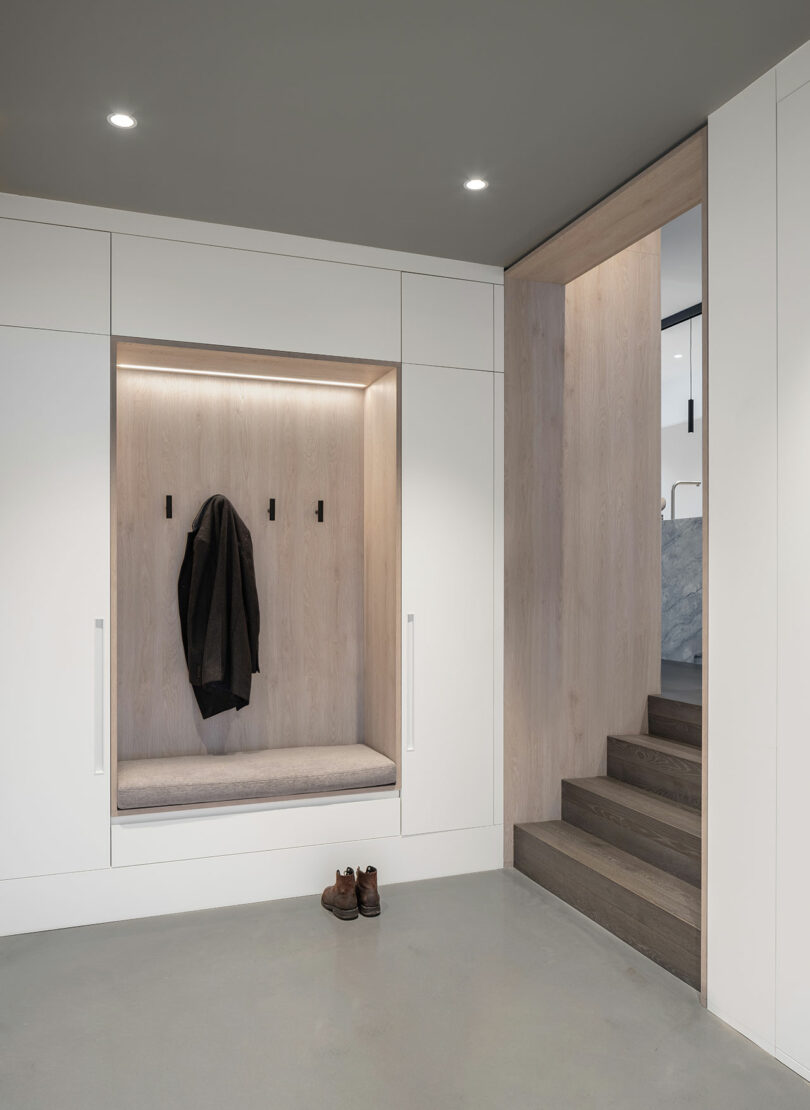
<point>191,422</point>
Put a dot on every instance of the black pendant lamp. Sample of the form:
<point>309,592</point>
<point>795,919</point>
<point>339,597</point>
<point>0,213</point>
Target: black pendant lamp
<point>690,419</point>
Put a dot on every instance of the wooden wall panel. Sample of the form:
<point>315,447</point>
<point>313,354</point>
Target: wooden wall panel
<point>668,188</point>
<point>533,499</point>
<point>382,563</point>
<point>612,518</point>
<point>583,605</point>
<point>192,436</point>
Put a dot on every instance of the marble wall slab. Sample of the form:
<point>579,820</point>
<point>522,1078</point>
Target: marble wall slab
<point>682,589</point>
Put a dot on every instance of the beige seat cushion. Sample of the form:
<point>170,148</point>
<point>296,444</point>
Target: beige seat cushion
<point>179,780</point>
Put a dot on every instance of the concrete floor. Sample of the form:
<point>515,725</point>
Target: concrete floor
<point>472,992</point>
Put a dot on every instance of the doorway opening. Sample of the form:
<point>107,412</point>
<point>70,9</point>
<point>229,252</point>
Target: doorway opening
<point>682,457</point>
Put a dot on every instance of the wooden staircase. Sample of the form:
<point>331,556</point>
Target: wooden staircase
<point>627,850</point>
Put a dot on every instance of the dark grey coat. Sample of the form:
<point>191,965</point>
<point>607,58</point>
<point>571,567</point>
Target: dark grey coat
<point>219,608</point>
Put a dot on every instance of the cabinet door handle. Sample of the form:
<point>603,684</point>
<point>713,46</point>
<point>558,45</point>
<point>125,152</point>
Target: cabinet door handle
<point>98,723</point>
<point>409,692</point>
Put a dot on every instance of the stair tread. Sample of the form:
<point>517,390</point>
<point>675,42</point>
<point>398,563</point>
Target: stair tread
<point>673,895</point>
<point>677,748</point>
<point>675,814</point>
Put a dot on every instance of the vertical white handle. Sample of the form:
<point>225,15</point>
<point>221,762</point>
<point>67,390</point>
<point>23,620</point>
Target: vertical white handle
<point>409,694</point>
<point>98,729</point>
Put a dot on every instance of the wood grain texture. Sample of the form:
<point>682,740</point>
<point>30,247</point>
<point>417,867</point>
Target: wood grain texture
<point>193,436</point>
<point>381,493</point>
<point>534,389</point>
<point>663,767</point>
<point>675,720</point>
<point>654,911</point>
<point>658,830</point>
<point>228,360</point>
<point>670,187</point>
<point>582,531</point>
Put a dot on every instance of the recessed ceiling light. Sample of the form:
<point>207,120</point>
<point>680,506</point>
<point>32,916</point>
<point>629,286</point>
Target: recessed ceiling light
<point>474,184</point>
<point>677,356</point>
<point>122,119</point>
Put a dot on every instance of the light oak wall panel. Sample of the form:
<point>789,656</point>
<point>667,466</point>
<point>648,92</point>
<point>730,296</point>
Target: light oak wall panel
<point>612,519</point>
<point>194,436</point>
<point>583,603</point>
<point>381,546</point>
<point>641,207</point>
<point>533,497</point>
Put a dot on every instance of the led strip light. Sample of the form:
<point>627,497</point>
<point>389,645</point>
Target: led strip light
<point>245,377</point>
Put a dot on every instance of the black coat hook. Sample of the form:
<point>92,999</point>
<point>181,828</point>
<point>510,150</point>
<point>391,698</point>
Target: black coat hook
<point>271,509</point>
<point>168,506</point>
<point>319,512</point>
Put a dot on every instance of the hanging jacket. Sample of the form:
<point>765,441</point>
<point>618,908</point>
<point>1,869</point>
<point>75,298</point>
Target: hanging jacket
<point>219,608</point>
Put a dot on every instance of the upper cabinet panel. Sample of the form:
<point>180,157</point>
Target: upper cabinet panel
<point>193,293</point>
<point>55,278</point>
<point>793,72</point>
<point>447,322</point>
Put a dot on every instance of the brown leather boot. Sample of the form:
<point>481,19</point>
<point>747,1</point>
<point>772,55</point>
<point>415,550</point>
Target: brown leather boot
<point>341,899</point>
<point>368,898</point>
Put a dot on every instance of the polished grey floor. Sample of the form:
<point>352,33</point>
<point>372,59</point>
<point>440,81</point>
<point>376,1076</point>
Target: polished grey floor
<point>477,991</point>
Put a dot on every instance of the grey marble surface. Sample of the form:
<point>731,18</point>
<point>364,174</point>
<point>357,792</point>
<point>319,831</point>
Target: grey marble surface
<point>682,589</point>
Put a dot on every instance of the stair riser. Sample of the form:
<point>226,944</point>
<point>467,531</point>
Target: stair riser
<point>665,939</point>
<point>668,776</point>
<point>675,721</point>
<point>670,849</point>
<point>674,730</point>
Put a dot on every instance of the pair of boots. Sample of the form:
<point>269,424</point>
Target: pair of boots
<point>352,894</point>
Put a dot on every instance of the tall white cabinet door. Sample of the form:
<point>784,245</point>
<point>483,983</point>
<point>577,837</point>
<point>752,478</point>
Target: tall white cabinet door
<point>54,601</point>
<point>447,598</point>
<point>793,747</point>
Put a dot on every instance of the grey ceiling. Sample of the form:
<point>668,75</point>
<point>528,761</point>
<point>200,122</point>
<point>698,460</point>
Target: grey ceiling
<point>359,120</point>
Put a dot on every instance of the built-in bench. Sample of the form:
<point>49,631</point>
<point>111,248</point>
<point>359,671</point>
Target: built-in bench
<point>189,779</point>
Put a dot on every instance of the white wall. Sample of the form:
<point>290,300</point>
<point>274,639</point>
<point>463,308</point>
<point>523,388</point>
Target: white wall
<point>793,617</point>
<point>681,461</point>
<point>759,602</point>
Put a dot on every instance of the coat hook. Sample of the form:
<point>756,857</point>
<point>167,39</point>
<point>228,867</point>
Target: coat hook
<point>168,506</point>
<point>319,512</point>
<point>271,508</point>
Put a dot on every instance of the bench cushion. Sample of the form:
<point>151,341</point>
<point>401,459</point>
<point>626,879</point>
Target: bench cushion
<point>180,780</point>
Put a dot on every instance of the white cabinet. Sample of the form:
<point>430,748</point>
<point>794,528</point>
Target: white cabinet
<point>195,293</point>
<point>447,322</point>
<point>54,277</point>
<point>498,591</point>
<point>161,839</point>
<point>55,574</point>
<point>498,353</point>
<point>447,598</point>
<point>793,749</point>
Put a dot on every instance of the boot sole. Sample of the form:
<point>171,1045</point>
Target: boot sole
<point>344,915</point>
<point>373,912</point>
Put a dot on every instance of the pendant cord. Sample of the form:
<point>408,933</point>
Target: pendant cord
<point>690,360</point>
